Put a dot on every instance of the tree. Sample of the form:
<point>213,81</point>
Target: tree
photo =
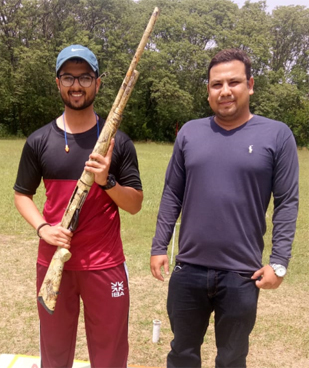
<point>290,31</point>
<point>172,87</point>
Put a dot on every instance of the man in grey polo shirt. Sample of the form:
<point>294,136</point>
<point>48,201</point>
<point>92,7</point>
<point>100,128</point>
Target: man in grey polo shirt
<point>221,176</point>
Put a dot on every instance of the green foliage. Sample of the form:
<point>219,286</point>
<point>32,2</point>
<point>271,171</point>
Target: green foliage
<point>290,31</point>
<point>300,124</point>
<point>277,99</point>
<point>172,84</point>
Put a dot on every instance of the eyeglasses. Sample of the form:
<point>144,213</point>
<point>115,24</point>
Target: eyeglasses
<point>85,80</point>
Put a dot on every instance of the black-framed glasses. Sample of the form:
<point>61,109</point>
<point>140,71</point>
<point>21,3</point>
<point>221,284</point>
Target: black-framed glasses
<point>84,80</point>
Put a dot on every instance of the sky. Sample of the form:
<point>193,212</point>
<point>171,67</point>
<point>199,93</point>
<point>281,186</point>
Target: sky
<point>271,4</point>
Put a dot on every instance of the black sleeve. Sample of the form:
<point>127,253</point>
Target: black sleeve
<point>29,173</point>
<point>124,162</point>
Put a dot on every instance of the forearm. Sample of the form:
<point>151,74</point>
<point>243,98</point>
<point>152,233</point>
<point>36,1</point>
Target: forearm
<point>54,235</point>
<point>27,208</point>
<point>126,198</point>
<point>284,225</point>
<point>170,208</point>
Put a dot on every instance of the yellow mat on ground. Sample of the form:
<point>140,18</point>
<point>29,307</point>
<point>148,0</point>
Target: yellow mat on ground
<point>24,361</point>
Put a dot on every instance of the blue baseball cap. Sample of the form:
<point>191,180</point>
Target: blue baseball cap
<point>77,51</point>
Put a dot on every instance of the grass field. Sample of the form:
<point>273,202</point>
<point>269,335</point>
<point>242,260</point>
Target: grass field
<point>280,338</point>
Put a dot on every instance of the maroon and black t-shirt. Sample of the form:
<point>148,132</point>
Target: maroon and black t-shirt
<point>96,243</point>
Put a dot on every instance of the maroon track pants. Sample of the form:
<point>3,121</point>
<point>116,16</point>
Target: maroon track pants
<point>105,296</point>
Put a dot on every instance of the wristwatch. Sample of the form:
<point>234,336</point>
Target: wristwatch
<point>280,270</point>
<point>111,182</point>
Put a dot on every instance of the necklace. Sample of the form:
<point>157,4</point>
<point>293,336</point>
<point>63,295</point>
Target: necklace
<point>67,149</point>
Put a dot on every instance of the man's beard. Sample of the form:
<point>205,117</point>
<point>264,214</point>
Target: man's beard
<point>88,102</point>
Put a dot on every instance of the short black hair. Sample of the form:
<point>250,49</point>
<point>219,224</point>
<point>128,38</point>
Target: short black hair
<point>227,55</point>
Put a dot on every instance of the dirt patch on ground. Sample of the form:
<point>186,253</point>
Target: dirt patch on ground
<point>280,338</point>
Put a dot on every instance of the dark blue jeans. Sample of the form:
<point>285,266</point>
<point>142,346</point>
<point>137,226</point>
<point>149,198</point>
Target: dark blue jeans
<point>194,293</point>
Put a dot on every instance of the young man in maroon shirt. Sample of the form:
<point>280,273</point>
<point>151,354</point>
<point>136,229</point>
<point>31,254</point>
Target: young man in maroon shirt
<point>58,153</point>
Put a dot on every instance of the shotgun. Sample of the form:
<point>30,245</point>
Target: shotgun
<point>50,287</point>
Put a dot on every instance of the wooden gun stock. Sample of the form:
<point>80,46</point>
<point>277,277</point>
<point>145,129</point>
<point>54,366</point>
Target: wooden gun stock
<point>50,287</point>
